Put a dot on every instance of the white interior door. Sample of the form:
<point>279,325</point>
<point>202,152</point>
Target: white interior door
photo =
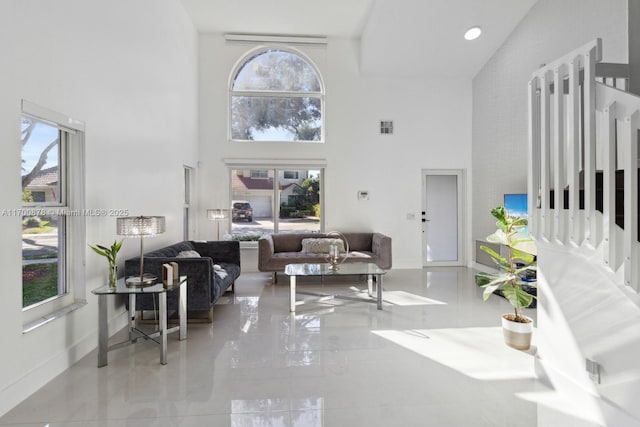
<point>442,217</point>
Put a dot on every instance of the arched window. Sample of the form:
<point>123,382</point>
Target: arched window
<point>276,95</point>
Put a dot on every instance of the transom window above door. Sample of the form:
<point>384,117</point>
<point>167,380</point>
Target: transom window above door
<point>276,95</point>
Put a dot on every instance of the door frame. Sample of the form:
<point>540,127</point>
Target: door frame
<point>462,217</point>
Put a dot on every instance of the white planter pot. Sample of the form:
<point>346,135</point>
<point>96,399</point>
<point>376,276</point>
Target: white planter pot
<point>517,335</point>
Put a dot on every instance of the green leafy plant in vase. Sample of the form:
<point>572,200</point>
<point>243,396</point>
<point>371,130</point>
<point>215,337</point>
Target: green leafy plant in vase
<point>516,272</point>
<point>111,254</point>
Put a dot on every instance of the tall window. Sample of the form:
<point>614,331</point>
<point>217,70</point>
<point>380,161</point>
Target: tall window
<point>53,224</point>
<point>276,95</point>
<point>44,198</point>
<point>277,203</point>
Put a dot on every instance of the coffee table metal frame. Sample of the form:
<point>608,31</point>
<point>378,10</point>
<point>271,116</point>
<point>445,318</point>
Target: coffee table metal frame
<point>324,270</point>
<point>136,334</point>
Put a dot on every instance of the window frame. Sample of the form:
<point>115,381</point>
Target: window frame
<point>320,95</point>
<point>72,226</point>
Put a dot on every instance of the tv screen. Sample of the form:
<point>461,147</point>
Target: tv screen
<point>516,205</point>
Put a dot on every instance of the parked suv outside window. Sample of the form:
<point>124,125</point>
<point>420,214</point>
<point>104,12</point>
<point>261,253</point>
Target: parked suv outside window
<point>241,210</point>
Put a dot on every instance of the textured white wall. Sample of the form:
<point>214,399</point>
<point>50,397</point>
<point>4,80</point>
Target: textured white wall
<point>432,124</point>
<point>551,29</point>
<point>129,71</point>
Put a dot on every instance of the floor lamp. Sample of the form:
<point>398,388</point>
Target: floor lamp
<point>217,215</point>
<point>140,226</point>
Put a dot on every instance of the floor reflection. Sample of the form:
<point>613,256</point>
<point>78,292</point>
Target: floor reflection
<point>432,357</point>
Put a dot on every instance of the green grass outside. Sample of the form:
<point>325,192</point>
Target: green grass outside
<point>43,256</point>
<point>39,282</point>
<point>38,230</point>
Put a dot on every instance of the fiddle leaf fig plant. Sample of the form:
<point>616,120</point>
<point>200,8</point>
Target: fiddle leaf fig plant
<point>514,268</point>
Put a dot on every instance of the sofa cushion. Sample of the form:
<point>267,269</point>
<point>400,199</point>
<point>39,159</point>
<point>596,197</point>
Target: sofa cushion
<point>321,245</point>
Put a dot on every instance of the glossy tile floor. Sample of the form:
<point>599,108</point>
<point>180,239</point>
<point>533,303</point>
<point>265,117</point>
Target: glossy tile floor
<point>433,356</point>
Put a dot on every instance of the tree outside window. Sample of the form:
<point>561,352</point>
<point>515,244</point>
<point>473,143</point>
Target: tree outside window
<point>276,95</point>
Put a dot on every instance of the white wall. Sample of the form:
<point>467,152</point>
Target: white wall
<point>550,29</point>
<point>129,71</point>
<point>432,124</point>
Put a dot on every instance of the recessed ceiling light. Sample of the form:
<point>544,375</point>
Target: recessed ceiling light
<point>473,33</point>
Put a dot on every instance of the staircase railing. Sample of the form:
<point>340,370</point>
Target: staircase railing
<point>583,134</point>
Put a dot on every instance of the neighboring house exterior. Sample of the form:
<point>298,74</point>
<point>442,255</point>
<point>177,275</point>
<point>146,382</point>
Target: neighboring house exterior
<point>45,186</point>
<point>289,191</point>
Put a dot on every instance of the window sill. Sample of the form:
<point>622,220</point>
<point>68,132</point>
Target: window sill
<point>41,321</point>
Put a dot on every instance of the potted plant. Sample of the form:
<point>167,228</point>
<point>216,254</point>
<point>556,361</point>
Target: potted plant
<point>514,276</point>
<point>111,254</point>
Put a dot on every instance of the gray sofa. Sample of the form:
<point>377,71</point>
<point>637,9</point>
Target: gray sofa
<point>277,250</point>
<point>204,284</point>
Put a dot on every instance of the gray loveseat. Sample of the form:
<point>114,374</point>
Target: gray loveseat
<point>277,250</point>
<point>204,284</point>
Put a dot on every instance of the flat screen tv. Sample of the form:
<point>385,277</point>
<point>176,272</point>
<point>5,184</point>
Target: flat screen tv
<point>516,205</point>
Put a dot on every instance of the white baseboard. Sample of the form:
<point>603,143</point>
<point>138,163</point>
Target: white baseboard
<point>23,387</point>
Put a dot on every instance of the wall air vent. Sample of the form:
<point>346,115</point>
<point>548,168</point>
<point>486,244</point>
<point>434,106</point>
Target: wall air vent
<point>386,127</point>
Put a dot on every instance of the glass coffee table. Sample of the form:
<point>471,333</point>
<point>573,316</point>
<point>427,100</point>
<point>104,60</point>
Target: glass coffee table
<point>324,270</point>
<point>136,334</point>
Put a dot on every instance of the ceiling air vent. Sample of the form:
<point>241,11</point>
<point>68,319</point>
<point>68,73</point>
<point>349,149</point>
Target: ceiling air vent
<point>386,127</point>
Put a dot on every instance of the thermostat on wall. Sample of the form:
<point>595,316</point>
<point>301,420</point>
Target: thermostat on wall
<point>363,195</point>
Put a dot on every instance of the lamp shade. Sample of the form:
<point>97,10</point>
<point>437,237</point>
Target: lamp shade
<point>217,214</point>
<point>138,226</point>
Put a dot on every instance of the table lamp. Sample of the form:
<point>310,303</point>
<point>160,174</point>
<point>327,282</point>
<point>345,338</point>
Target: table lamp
<point>217,215</point>
<point>140,226</point>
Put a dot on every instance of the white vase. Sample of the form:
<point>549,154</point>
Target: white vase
<point>517,335</point>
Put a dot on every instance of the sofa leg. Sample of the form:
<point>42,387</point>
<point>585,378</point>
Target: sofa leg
<point>233,286</point>
<point>274,279</point>
<point>210,315</point>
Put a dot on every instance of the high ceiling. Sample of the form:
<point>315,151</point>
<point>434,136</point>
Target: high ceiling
<point>399,37</point>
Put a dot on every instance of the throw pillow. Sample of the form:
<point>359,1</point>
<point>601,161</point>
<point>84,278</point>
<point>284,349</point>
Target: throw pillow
<point>221,272</point>
<point>188,254</point>
<point>321,245</point>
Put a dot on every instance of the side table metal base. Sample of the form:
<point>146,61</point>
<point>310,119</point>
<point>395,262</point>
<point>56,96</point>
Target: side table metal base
<point>136,334</point>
